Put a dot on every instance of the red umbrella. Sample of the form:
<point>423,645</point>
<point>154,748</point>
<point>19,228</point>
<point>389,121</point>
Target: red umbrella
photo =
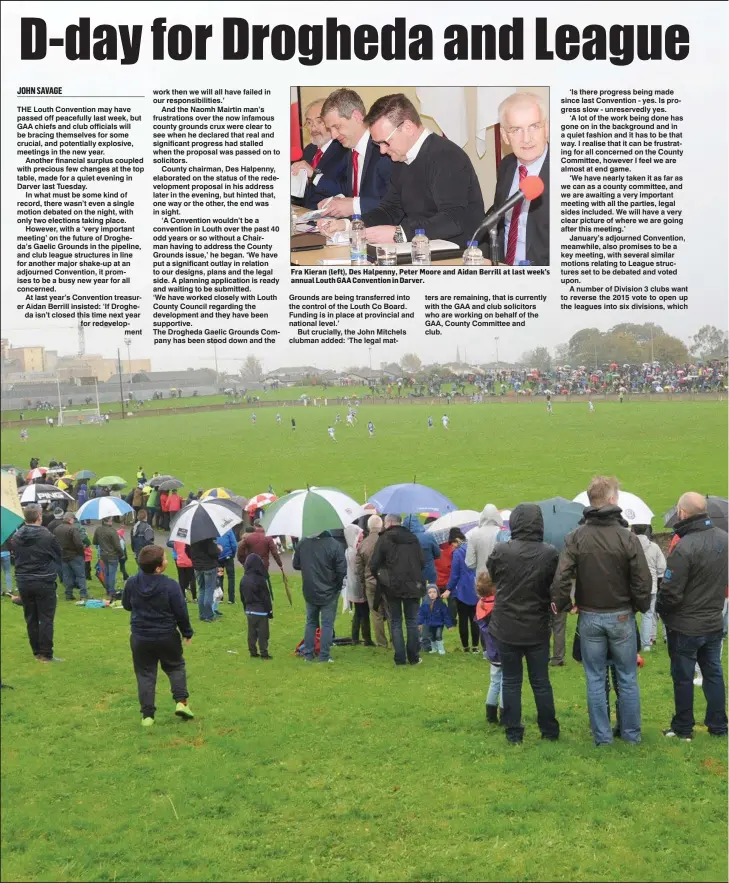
<point>39,472</point>
<point>259,501</point>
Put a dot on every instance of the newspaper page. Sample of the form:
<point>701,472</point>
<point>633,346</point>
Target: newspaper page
<point>475,251</point>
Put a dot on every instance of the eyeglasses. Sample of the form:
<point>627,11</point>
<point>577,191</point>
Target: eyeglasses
<point>529,130</point>
<point>386,140</point>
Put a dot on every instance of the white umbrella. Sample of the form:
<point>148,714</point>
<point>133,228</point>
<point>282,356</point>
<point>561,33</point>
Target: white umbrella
<point>463,518</point>
<point>102,507</point>
<point>204,520</point>
<point>42,493</point>
<point>306,513</point>
<point>635,510</point>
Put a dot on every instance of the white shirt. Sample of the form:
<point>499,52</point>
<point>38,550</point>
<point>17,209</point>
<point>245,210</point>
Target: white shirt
<point>315,177</point>
<point>361,148</point>
<point>415,149</point>
<point>532,169</point>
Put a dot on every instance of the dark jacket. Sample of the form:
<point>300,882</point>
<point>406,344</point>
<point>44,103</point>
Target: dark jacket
<point>323,568</point>
<point>257,543</point>
<point>158,607</point>
<point>70,540</point>
<point>522,571</point>
<point>333,171</point>
<point>254,592</point>
<point>375,177</point>
<point>429,545</point>
<point>37,556</point>
<point>434,614</point>
<point>204,554</point>
<point>537,231</point>
<point>142,534</point>
<point>398,562</point>
<point>691,597</point>
<point>107,539</point>
<point>608,563</point>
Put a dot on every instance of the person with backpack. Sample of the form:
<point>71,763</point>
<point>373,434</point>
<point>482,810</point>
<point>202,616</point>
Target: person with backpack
<point>142,534</point>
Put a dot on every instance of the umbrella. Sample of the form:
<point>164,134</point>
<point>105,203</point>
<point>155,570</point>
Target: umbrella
<point>11,513</point>
<point>560,518</point>
<point>463,518</point>
<point>239,500</point>
<point>261,500</point>
<point>42,493</point>
<point>110,481</point>
<point>171,484</point>
<point>286,586</point>
<point>716,509</point>
<point>83,475</point>
<point>157,481</point>
<point>635,511</point>
<point>412,498</point>
<point>306,513</point>
<point>39,472</point>
<point>204,520</point>
<point>221,493</point>
<point>14,470</point>
<point>103,507</point>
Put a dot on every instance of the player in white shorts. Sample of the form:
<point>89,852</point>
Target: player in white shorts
<point>445,420</point>
<point>330,430</point>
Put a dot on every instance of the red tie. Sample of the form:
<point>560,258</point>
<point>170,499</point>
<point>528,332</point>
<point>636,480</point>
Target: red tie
<point>514,224</point>
<point>317,158</point>
<point>355,173</point>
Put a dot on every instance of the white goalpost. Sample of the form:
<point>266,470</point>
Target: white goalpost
<point>87,416</point>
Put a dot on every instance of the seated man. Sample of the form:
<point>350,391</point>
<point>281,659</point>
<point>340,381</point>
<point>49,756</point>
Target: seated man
<point>433,185</point>
<point>524,231</point>
<point>325,160</point>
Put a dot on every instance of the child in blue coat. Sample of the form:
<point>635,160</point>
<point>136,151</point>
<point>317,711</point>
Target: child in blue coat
<point>434,616</point>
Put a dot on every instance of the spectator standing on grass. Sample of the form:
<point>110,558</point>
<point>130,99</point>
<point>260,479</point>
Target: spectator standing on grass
<point>185,570</point>
<point>323,569</point>
<point>354,589</point>
<point>431,552</point>
<point>691,603</point>
<point>110,552</point>
<point>37,558</point>
<point>142,533</point>
<point>522,571</point>
<point>257,604</point>
<point>254,541</point>
<point>397,564</point>
<point>71,542</point>
<point>443,566</point>
<point>164,497</point>
<point>482,539</point>
<point>657,566</point>
<point>462,587</point>
<point>226,560</point>
<point>612,581</point>
<point>362,560</point>
<point>159,617</point>
<point>153,507</point>
<point>204,556</point>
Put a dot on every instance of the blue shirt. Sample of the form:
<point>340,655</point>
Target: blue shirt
<point>532,169</point>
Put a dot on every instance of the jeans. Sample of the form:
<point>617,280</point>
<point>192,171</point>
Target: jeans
<point>327,614</point>
<point>611,636</point>
<point>74,574</point>
<point>110,569</point>
<point>39,607</point>
<point>406,608</point>
<point>229,565</point>
<point>646,623</point>
<point>685,651</point>
<point>8,572</point>
<point>206,580</point>
<point>145,656</point>
<point>537,660</point>
<point>495,695</point>
<point>435,633</point>
<point>558,626</point>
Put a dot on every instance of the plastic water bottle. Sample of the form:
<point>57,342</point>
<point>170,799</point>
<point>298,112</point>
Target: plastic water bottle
<point>293,221</point>
<point>357,241</point>
<point>472,256</point>
<point>420,249</point>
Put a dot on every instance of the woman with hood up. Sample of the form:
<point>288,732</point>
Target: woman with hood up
<point>354,590</point>
<point>482,539</point>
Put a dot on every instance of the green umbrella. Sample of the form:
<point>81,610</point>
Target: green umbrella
<point>11,513</point>
<point>306,513</point>
<point>110,481</point>
<point>83,474</point>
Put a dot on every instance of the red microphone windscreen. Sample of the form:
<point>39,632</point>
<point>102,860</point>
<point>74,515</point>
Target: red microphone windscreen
<point>532,187</point>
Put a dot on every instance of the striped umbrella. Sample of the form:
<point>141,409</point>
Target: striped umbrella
<point>204,520</point>
<point>42,493</point>
<point>260,501</point>
<point>34,474</point>
<point>103,507</point>
<point>11,513</point>
<point>219,493</point>
<point>306,513</point>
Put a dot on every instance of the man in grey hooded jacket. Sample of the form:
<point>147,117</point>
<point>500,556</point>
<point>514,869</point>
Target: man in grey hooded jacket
<point>482,539</point>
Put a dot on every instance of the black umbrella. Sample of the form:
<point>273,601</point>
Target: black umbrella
<point>716,509</point>
<point>204,520</point>
<point>156,482</point>
<point>170,484</point>
<point>42,493</point>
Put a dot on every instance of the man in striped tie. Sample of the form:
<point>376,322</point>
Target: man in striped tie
<point>325,160</point>
<point>524,123</point>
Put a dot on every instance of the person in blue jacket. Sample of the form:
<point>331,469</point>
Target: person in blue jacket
<point>434,616</point>
<point>226,559</point>
<point>462,586</point>
<point>429,545</point>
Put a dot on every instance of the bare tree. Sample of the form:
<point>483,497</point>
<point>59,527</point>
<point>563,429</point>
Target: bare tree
<point>251,369</point>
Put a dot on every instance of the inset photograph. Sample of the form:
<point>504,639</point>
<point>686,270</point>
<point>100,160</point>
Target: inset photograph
<point>416,175</point>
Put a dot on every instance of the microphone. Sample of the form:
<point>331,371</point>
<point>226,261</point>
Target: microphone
<point>530,188</point>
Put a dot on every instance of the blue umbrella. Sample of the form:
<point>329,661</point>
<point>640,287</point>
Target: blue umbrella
<point>103,507</point>
<point>411,498</point>
<point>560,517</point>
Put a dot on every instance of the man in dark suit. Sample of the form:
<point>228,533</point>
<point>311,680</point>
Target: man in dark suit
<point>368,171</point>
<point>325,160</point>
<point>433,184</point>
<point>524,231</point>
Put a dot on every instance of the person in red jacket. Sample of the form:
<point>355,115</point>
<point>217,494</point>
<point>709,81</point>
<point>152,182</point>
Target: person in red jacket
<point>443,569</point>
<point>174,504</point>
<point>185,570</point>
<point>255,542</point>
<point>164,505</point>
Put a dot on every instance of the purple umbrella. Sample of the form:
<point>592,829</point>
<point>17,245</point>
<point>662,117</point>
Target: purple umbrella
<point>411,498</point>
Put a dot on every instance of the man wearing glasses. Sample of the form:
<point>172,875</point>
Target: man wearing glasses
<point>433,184</point>
<point>524,231</point>
<point>324,160</point>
